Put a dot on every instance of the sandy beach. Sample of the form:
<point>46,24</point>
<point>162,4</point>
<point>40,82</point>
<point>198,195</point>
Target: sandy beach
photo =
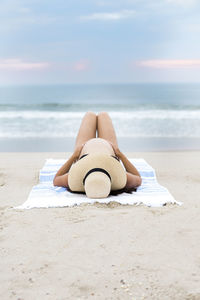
<point>100,251</point>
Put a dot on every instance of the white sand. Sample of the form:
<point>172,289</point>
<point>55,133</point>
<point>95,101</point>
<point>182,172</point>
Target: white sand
<point>100,251</point>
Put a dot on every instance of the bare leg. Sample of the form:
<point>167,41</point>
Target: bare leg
<point>87,129</point>
<point>105,128</point>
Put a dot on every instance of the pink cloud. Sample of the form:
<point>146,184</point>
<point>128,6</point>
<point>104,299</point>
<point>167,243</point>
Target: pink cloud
<point>80,66</point>
<point>169,63</point>
<point>20,65</point>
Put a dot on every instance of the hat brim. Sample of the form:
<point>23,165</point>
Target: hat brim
<point>107,162</point>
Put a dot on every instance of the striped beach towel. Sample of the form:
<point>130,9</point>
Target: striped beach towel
<point>44,194</point>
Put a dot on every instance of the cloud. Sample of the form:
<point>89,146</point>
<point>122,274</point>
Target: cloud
<point>169,63</point>
<point>14,16</point>
<point>109,16</point>
<point>24,10</point>
<point>80,66</point>
<point>69,66</point>
<point>183,2</point>
<point>20,65</point>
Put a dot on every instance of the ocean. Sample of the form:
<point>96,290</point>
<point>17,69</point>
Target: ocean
<point>166,113</point>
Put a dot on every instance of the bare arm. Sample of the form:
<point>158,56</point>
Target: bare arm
<point>61,177</point>
<point>133,176</point>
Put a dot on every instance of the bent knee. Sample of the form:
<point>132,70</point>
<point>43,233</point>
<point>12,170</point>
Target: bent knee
<point>90,114</point>
<point>103,114</point>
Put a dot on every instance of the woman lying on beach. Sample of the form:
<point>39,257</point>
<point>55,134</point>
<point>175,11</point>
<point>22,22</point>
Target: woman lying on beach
<point>94,168</point>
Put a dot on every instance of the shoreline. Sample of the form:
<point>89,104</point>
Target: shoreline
<point>126,144</point>
<point>100,251</point>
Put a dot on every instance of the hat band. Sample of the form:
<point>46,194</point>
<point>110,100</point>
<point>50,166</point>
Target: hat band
<point>96,170</point>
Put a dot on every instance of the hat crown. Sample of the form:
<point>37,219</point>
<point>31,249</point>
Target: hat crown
<point>97,185</point>
<point>112,166</point>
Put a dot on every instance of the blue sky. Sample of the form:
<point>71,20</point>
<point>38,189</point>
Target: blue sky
<point>94,41</point>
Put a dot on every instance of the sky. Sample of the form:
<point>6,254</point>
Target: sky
<point>97,41</point>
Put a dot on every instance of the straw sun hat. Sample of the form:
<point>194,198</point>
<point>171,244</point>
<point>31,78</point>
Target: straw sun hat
<point>96,175</point>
